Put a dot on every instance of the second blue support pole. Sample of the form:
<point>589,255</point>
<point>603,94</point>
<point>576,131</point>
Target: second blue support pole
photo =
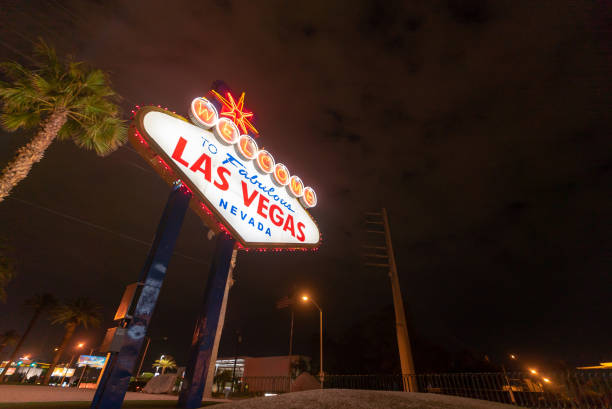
<point>206,325</point>
<point>116,377</point>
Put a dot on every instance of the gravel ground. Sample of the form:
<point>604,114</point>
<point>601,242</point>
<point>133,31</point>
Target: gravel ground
<point>29,393</point>
<point>359,399</point>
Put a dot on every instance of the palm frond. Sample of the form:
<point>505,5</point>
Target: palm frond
<point>77,70</point>
<point>98,83</point>
<point>46,58</point>
<point>104,135</point>
<point>70,130</point>
<point>19,97</point>
<point>41,84</point>
<point>12,121</point>
<point>80,311</point>
<point>41,301</point>
<point>13,70</point>
<point>93,105</point>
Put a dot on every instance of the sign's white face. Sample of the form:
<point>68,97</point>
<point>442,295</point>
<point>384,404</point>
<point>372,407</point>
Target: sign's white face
<point>251,202</point>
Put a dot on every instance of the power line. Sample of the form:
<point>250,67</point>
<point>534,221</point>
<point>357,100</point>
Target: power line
<point>102,228</point>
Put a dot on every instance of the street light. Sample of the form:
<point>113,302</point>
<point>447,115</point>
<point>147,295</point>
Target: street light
<point>306,298</point>
<point>533,371</point>
<point>78,346</point>
<point>512,356</point>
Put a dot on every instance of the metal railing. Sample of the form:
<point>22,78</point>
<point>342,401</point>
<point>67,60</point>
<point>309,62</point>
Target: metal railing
<point>572,389</point>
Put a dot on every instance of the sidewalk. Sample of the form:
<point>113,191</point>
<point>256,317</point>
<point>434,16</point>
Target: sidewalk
<point>30,393</point>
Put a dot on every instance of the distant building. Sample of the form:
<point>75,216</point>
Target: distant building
<point>246,366</point>
<point>259,374</point>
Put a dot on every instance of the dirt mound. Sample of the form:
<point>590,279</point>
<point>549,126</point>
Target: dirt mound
<point>360,399</point>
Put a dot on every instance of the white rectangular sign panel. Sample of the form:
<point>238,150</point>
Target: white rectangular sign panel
<point>249,202</point>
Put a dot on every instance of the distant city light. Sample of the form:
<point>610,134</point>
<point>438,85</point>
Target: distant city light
<point>305,297</point>
<point>546,380</point>
<point>512,356</point>
<point>533,371</point>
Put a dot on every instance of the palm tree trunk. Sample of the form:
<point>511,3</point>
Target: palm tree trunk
<point>31,153</point>
<point>23,337</point>
<point>67,336</point>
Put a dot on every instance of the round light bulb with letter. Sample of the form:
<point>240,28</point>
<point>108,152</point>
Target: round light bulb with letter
<point>226,131</point>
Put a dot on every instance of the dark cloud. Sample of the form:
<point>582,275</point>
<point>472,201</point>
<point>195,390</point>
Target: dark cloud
<point>469,11</point>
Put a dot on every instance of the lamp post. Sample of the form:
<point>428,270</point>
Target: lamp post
<point>79,346</point>
<point>306,298</point>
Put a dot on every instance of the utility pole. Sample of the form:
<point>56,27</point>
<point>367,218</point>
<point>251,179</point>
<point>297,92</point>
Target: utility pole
<point>403,341</point>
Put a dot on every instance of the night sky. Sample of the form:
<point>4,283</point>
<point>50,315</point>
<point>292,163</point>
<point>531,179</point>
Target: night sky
<point>482,126</point>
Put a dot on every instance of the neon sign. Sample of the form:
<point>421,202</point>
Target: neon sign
<point>203,113</point>
<point>238,188</point>
<point>236,112</point>
<point>265,161</point>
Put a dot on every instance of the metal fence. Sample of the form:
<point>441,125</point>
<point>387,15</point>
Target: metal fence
<point>575,389</point>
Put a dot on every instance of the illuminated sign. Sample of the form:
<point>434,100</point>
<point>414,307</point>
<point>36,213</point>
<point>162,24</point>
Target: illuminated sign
<point>203,113</point>
<point>68,372</point>
<point>237,187</point>
<point>91,360</point>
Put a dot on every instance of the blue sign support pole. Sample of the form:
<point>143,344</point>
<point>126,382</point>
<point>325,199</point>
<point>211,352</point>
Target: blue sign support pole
<point>206,326</point>
<point>116,377</point>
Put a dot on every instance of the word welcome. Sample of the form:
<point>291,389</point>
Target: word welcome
<point>204,114</point>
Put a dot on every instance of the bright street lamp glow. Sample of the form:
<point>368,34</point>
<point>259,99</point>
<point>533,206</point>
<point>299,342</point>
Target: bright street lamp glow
<point>305,297</point>
<point>533,371</point>
<point>512,356</point>
<point>80,345</point>
<point>546,380</point>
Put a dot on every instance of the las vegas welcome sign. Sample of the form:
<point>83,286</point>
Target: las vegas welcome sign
<point>238,188</point>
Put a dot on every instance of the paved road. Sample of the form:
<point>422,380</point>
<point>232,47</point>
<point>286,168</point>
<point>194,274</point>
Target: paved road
<point>315,399</point>
<point>29,393</point>
<point>359,399</point>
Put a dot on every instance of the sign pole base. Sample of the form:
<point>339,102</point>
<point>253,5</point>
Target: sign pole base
<point>206,326</point>
<point>115,379</point>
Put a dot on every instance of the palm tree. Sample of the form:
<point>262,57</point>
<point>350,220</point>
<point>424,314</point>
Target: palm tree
<point>9,337</point>
<point>41,303</point>
<point>166,362</point>
<point>64,99</point>
<point>80,311</point>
